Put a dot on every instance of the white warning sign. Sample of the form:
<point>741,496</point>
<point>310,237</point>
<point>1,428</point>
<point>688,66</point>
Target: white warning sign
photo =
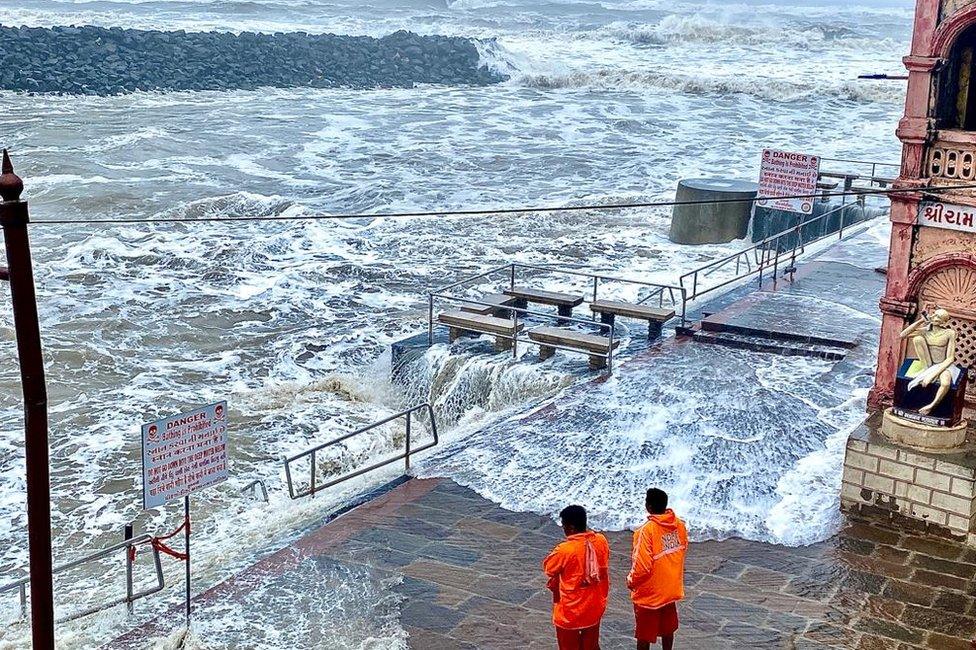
<point>786,174</point>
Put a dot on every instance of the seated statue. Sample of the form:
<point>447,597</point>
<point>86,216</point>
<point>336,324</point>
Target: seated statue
<point>934,344</point>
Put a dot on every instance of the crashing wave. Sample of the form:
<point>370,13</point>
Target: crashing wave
<point>774,90</point>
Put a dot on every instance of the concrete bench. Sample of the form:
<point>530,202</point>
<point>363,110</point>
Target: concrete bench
<point>494,305</point>
<point>655,317</point>
<point>548,337</point>
<point>563,302</point>
<point>462,321</point>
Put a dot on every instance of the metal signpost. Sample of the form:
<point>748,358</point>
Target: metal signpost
<point>180,455</point>
<point>785,174</point>
<point>13,220</point>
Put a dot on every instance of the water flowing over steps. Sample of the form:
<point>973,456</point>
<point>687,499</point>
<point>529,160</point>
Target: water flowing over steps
<point>779,323</point>
<point>770,344</point>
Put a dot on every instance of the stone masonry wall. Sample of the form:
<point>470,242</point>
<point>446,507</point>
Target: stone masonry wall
<point>919,486</point>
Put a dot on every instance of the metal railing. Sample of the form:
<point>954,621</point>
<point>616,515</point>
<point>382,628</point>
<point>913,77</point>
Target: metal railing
<point>675,293</point>
<point>872,178</point>
<point>767,254</point>
<point>256,487</point>
<point>296,491</point>
<point>21,586</point>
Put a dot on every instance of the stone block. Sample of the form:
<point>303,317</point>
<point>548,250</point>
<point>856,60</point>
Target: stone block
<point>916,460</point>
<point>962,524</point>
<point>861,461</point>
<point>932,480</point>
<point>962,488</point>
<point>853,475</point>
<point>851,493</point>
<point>945,467</point>
<point>955,505</point>
<point>913,492</point>
<point>879,483</point>
<point>856,445</point>
<point>896,470</point>
<point>927,513</point>
<point>883,451</point>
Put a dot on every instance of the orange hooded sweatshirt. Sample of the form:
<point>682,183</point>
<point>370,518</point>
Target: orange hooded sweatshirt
<point>657,573</point>
<point>579,573</point>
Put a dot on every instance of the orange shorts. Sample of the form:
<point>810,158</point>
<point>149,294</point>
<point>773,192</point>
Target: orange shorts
<point>586,639</point>
<point>652,623</point>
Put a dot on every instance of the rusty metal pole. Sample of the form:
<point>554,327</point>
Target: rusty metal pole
<point>13,220</point>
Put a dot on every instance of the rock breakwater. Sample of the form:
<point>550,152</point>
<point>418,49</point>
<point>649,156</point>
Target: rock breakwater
<point>104,61</point>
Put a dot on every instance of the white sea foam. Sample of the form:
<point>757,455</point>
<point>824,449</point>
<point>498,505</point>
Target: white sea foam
<point>609,102</point>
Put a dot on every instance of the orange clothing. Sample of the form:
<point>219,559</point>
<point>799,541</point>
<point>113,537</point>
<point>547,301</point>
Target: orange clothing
<point>657,574</point>
<point>579,574</point>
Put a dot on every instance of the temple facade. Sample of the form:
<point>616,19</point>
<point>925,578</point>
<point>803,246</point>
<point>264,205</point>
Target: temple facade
<point>933,238</point>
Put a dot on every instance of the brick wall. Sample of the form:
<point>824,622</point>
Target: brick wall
<point>921,486</point>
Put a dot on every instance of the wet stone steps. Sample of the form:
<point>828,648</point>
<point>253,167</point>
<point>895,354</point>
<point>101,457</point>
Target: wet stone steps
<point>771,345</point>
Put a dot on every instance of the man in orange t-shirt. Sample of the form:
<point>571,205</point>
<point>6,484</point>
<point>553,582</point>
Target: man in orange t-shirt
<point>579,578</point>
<point>657,574</point>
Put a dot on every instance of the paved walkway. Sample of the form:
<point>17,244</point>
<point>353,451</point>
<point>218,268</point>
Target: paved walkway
<point>471,579</point>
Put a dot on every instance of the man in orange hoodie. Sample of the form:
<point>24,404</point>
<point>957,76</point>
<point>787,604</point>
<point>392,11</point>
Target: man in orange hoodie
<point>579,578</point>
<point>657,574</point>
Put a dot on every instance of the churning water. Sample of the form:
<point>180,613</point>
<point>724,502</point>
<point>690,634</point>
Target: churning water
<point>608,101</point>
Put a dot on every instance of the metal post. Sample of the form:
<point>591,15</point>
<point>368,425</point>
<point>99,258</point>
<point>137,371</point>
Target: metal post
<point>430,319</point>
<point>407,456</point>
<point>311,485</point>
<point>595,280</point>
<point>14,219</point>
<point>514,328</point>
<point>186,535</point>
<point>511,284</point>
<point>127,535</point>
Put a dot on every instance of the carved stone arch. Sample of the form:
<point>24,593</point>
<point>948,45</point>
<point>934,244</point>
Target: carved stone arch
<point>948,32</point>
<point>949,281</point>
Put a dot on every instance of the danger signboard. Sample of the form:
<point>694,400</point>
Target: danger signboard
<point>785,174</point>
<point>183,453</point>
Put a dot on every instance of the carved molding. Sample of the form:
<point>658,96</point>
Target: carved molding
<point>949,30</point>
<point>932,266</point>
<point>932,242</point>
<point>895,307</point>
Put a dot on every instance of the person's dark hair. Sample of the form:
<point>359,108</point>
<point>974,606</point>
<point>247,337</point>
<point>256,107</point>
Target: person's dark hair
<point>574,516</point>
<point>657,501</point>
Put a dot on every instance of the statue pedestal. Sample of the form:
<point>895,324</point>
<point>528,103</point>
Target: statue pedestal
<point>939,440</point>
<point>933,489</point>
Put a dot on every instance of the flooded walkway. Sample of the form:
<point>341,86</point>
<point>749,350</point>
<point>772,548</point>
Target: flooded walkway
<point>459,572</point>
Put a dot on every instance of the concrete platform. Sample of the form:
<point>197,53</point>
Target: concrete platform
<point>467,575</point>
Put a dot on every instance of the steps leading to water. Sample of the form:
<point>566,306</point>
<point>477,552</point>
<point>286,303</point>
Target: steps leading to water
<point>771,344</point>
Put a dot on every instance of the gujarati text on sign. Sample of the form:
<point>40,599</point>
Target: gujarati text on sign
<point>183,453</point>
<point>947,215</point>
<point>785,174</point>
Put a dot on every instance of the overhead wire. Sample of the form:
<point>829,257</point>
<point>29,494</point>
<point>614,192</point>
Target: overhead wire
<point>493,211</point>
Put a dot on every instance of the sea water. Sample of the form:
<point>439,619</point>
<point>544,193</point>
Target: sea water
<point>609,101</point>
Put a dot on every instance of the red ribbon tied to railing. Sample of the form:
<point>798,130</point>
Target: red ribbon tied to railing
<point>158,543</point>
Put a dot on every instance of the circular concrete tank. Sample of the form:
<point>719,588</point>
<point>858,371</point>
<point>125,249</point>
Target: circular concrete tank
<point>711,223</point>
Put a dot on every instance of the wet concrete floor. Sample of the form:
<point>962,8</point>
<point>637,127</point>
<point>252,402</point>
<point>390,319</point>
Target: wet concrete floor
<point>468,574</point>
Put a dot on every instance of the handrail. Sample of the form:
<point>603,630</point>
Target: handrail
<point>130,596</point>
<point>769,256</point>
<point>313,487</point>
<point>861,162</point>
<point>257,485</point>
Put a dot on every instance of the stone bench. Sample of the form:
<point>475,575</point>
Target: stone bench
<point>563,302</point>
<point>548,338</point>
<point>462,321</point>
<point>494,305</point>
<point>655,317</point>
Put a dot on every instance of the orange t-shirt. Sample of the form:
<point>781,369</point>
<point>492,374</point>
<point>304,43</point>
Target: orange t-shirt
<point>583,585</point>
<point>657,574</point>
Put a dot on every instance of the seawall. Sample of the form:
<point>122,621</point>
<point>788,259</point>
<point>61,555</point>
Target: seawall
<point>105,61</point>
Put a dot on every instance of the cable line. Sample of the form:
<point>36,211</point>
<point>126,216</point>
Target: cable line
<point>498,211</point>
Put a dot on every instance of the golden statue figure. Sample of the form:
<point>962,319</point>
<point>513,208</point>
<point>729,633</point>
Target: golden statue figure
<point>935,350</point>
